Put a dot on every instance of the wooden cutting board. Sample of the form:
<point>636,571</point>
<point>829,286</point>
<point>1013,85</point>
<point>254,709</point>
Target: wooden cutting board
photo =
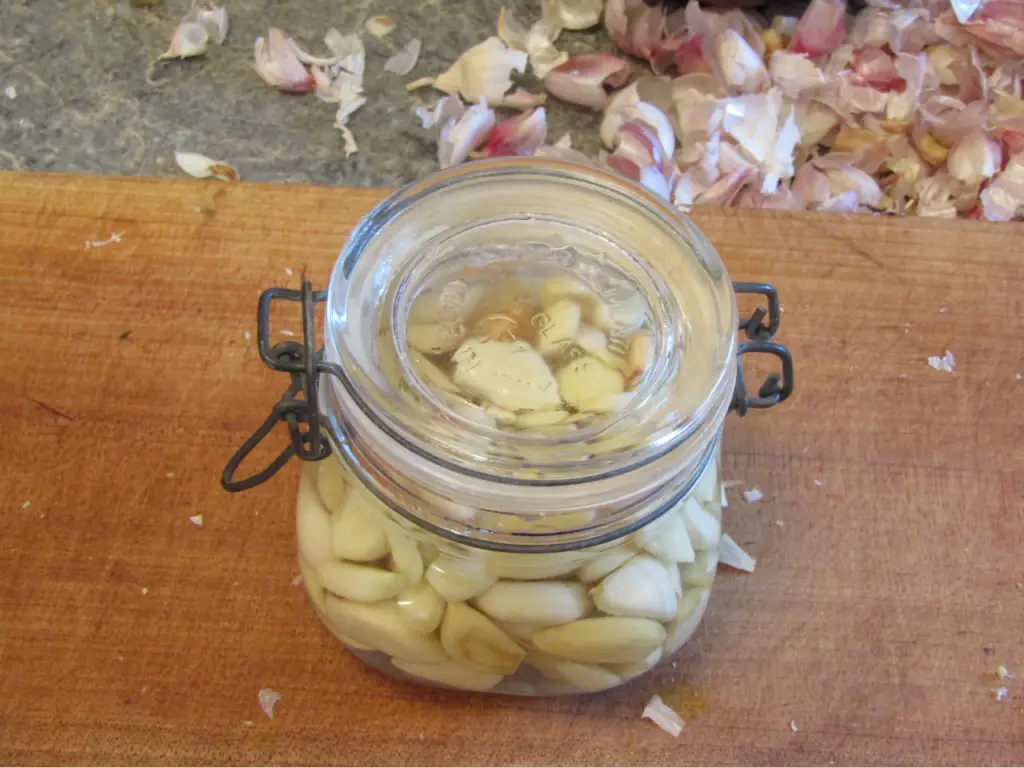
<point>890,578</point>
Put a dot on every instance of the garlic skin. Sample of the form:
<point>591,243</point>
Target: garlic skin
<point>974,158</point>
<point>483,72</point>
<point>276,63</point>
<point>573,14</point>
<point>189,39</point>
<point>582,79</point>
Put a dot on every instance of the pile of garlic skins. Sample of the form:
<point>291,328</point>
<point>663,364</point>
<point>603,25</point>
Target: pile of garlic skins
<point>529,354</point>
<point>911,107</point>
<point>414,605</point>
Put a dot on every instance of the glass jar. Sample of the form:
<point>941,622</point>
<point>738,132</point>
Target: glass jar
<point>521,395</point>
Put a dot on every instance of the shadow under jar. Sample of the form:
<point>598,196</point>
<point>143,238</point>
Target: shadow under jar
<point>521,397</point>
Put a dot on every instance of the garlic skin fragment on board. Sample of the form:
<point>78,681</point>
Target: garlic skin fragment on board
<point>573,14</point>
<point>189,39</point>
<point>483,72</point>
<point>403,61</point>
<point>459,137</point>
<point>379,26</point>
<point>203,167</point>
<point>663,716</point>
<point>582,79</point>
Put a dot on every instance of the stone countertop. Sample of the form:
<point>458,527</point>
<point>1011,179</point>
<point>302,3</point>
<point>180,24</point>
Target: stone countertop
<point>89,97</point>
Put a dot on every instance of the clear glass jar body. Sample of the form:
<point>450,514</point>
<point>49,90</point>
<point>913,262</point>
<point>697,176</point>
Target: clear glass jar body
<point>463,535</point>
<point>418,606</point>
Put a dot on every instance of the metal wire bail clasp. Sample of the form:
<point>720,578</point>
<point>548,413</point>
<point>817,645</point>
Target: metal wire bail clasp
<point>298,407</point>
<point>777,386</point>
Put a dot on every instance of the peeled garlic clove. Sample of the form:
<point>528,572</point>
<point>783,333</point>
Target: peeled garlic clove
<point>643,587</point>
<point>602,640</point>
<point>594,342</point>
<point>541,419</point>
<point>535,602</point>
<point>380,626</point>
<point>639,356</point>
<point>521,632</point>
<point>627,671</point>
<point>622,317</point>
<point>457,579</point>
<point>450,673</point>
<point>421,607</point>
<point>605,403</point>
<point>311,581</point>
<point>704,530</point>
<point>431,374</point>
<point>546,664</point>
<point>502,416</point>
<point>405,555</point>
<point>361,583</point>
<point>667,538</point>
<point>510,375</point>
<point>605,563</point>
<point>557,326</point>
<point>691,610</point>
<point>434,338</point>
<point>587,677</point>
<point>706,488</point>
<point>352,643</point>
<point>533,567</point>
<point>587,379</point>
<point>356,532</point>
<point>499,327</point>
<point>312,523</point>
<point>331,485</point>
<point>471,638</point>
<point>702,572</point>
<point>569,288</point>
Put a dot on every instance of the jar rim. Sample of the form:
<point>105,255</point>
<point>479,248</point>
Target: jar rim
<point>400,436</point>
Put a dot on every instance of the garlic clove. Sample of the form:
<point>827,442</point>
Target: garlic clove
<point>639,356</point>
<point>431,374</point>
<point>573,14</point>
<point>627,671</point>
<point>471,638</point>
<point>458,579</point>
<point>434,338</point>
<point>594,342</point>
<point>356,531</point>
<point>462,136</point>
<point>450,673</point>
<point>605,563</point>
<point>643,587</point>
<point>510,375</point>
<point>689,613</point>
<point>587,379</point>
<point>536,603</point>
<point>702,572</point>
<point>421,607</point>
<point>405,555</point>
<point>331,485</point>
<point>667,539</point>
<point>404,60</point>
<point>276,62</point>
<point>586,677</point>
<point>313,526</point>
<point>361,583</point>
<point>602,640</point>
<point>380,626</point>
<point>535,419</point>
<point>203,167</point>
<point>557,327</point>
<point>311,580</point>
<point>704,531</point>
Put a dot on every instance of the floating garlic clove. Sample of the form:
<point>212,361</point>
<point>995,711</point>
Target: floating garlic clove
<point>521,632</point>
<point>312,522</point>
<point>643,587</point>
<point>538,603</point>
<point>535,419</point>
<point>545,663</point>
<point>381,626</point>
<point>602,640</point>
<point>594,342</point>
<point>500,327</point>
<point>557,326</point>
<point>405,555</point>
<point>667,538</point>
<point>586,677</point>
<point>510,375</point>
<point>605,563</point>
<point>587,379</point>
<point>434,338</point>
<point>639,356</point>
<point>311,581</point>
<point>450,673</point>
<point>690,611</point>
<point>605,403</point>
<point>627,671</point>
<point>620,317</point>
<point>331,485</point>
<point>362,583</point>
<point>704,530</point>
<point>421,607</point>
<point>357,531</point>
<point>569,288</point>
<point>458,578</point>
<point>701,573</point>
<point>471,638</point>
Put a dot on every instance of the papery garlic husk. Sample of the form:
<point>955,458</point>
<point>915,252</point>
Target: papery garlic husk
<point>203,167</point>
<point>483,72</point>
<point>573,14</point>
<point>381,626</point>
<point>582,79</point>
<point>462,136</point>
<point>275,61</point>
<point>403,61</point>
<point>974,158</point>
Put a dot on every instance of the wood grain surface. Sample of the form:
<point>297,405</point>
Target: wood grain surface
<point>890,578</point>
